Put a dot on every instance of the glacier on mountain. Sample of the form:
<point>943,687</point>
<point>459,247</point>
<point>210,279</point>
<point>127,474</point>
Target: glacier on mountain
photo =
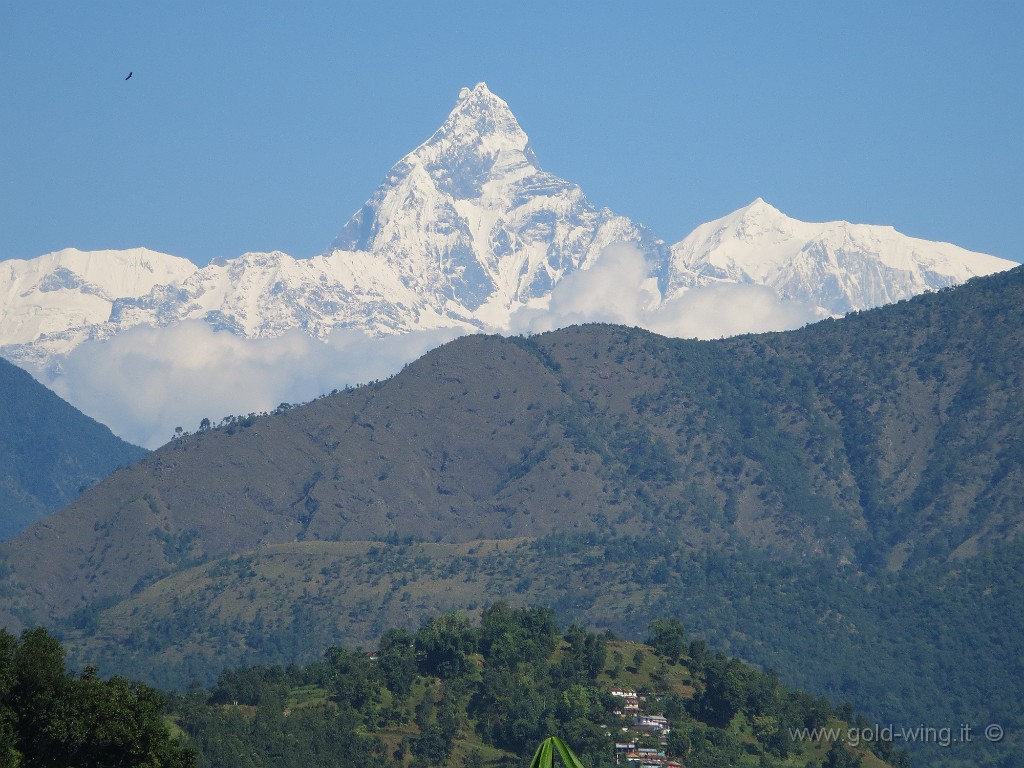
<point>53,303</point>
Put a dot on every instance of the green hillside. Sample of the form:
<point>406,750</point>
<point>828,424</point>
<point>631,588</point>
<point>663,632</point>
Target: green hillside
<point>897,647</point>
<point>49,451</point>
<point>841,503</point>
<point>451,693</point>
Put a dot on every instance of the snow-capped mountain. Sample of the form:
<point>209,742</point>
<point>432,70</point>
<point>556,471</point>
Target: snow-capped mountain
<point>265,294</point>
<point>469,221</point>
<point>51,303</point>
<point>72,287</point>
<point>464,231</point>
<point>835,266</point>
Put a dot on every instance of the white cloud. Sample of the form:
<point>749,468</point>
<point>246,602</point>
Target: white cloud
<point>146,381</point>
<point>617,289</point>
<point>727,309</point>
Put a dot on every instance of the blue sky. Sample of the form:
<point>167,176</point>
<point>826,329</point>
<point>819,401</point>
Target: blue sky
<point>265,126</point>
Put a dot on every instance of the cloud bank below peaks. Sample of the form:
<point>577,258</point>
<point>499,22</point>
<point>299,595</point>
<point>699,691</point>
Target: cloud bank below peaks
<point>618,289</point>
<point>146,381</point>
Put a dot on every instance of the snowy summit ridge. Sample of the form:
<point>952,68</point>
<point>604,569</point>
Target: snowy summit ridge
<point>52,303</point>
<point>480,135</point>
<point>464,231</point>
<point>836,266</point>
<point>470,220</point>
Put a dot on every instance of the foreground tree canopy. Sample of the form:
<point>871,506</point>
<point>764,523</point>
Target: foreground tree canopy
<point>545,754</point>
<point>51,718</point>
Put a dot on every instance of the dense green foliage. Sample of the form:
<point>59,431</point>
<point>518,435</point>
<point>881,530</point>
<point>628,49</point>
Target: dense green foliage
<point>453,693</point>
<point>51,719</point>
<point>49,451</point>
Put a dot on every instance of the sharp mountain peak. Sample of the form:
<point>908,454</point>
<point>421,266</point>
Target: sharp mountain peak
<point>481,126</point>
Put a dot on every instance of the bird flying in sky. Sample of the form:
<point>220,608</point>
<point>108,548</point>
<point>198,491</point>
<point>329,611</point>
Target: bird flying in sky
<point>129,76</point>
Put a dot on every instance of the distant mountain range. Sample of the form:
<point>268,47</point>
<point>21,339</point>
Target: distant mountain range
<point>465,230</point>
<point>49,451</point>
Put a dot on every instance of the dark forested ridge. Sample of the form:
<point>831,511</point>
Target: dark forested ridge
<point>49,451</point>
<point>853,485</point>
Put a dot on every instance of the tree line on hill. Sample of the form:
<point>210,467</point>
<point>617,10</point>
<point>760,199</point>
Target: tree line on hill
<point>450,694</point>
<point>458,694</point>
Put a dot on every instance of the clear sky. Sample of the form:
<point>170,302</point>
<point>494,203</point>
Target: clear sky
<point>260,126</point>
